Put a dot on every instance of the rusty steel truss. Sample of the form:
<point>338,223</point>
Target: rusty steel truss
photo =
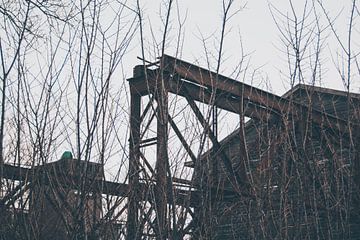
<point>171,75</point>
<point>154,197</point>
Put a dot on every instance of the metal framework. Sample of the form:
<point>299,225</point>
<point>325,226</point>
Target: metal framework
<point>171,75</point>
<point>154,197</point>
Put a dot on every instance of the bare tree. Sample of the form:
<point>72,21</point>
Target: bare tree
<point>145,158</point>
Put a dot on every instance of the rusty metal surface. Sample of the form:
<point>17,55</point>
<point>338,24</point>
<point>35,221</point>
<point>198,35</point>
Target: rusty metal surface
<point>157,187</point>
<point>260,103</point>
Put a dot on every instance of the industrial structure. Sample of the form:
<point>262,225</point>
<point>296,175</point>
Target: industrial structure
<point>289,171</point>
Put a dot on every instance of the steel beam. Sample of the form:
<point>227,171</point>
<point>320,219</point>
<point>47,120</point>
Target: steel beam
<point>224,100</point>
<point>257,96</point>
<point>134,155</point>
<point>233,176</point>
<point>18,173</point>
<point>182,139</point>
<point>161,96</point>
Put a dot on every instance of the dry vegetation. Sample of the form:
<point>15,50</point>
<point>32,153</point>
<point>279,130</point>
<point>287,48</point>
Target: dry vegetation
<point>288,170</point>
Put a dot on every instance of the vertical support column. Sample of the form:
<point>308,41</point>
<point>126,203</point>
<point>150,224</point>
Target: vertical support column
<point>161,158</point>
<point>134,154</point>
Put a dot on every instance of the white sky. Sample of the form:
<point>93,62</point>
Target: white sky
<point>258,32</point>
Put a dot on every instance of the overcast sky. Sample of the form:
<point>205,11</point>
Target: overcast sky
<point>256,28</point>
